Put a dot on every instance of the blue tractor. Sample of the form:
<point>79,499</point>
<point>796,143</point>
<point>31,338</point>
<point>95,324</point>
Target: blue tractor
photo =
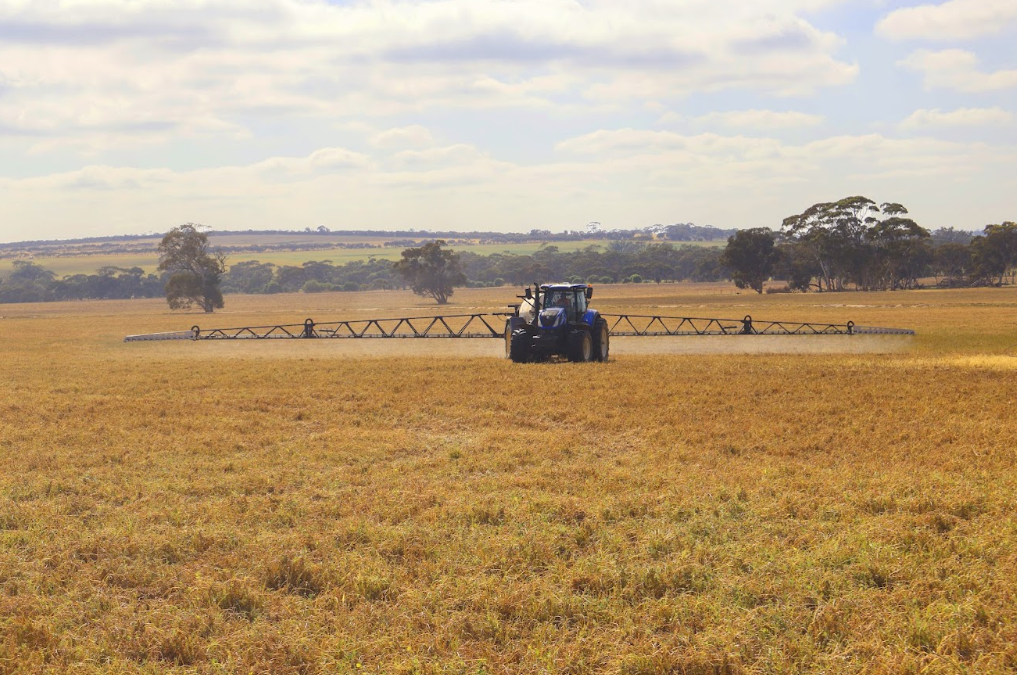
<point>556,320</point>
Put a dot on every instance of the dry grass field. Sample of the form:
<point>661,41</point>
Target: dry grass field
<point>428,507</point>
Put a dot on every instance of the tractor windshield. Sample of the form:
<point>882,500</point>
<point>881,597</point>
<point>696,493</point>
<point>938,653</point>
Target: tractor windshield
<point>572,302</point>
<point>558,299</point>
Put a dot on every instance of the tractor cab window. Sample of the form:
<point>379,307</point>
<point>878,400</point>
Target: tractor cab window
<point>580,304</point>
<point>557,299</point>
<point>562,298</point>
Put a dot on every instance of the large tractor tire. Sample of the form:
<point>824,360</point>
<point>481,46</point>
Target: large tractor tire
<point>519,346</point>
<point>580,348</point>
<point>601,340</point>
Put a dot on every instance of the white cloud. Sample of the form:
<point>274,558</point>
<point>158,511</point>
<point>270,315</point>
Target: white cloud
<point>712,163</point>
<point>638,142</point>
<point>414,136</point>
<point>96,178</point>
<point>957,69</point>
<point>760,119</point>
<point>671,118</point>
<point>953,20</point>
<point>323,161</point>
<point>962,117</point>
<point>435,157</point>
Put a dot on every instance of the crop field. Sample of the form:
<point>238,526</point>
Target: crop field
<point>695,505</point>
<point>72,262</point>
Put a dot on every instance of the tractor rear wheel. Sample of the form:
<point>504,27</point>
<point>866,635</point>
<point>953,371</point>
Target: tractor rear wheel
<point>519,346</point>
<point>580,346</point>
<point>601,340</point>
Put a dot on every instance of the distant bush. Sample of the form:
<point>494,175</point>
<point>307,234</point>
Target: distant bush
<point>314,286</point>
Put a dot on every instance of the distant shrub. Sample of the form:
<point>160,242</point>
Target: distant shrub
<point>314,286</point>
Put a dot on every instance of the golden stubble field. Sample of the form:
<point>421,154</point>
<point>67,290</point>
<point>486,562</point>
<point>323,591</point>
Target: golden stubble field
<point>427,507</point>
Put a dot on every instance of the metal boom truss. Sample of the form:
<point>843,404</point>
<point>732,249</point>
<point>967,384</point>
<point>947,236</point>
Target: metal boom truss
<point>480,326</point>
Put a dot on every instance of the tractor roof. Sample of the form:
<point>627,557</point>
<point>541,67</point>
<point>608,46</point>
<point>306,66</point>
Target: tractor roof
<point>563,287</point>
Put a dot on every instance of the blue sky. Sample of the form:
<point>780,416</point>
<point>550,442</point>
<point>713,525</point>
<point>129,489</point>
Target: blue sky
<point>124,117</point>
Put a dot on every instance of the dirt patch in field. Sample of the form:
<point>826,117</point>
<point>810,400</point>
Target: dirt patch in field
<point>315,349</point>
<point>983,362</point>
<point>990,362</point>
<point>762,344</point>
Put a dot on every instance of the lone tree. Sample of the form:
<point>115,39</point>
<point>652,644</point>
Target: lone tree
<point>195,270</point>
<point>431,271</point>
<point>752,256</point>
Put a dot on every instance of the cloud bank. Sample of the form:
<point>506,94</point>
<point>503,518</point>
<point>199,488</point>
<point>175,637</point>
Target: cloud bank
<point>93,73</point>
<point>496,114</point>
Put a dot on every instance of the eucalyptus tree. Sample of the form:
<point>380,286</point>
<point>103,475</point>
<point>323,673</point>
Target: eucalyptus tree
<point>857,241</point>
<point>195,269</point>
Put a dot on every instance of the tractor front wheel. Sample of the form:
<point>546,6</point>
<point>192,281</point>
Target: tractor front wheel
<point>519,346</point>
<point>601,340</point>
<point>580,346</point>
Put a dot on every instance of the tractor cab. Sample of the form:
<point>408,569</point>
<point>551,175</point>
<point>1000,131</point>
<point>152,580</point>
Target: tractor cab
<point>571,298</point>
<point>562,305</point>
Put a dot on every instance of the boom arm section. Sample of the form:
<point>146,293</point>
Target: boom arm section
<point>450,326</point>
<point>631,325</point>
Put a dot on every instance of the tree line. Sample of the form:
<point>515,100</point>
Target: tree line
<point>29,282</point>
<point>621,261</point>
<point>856,244</point>
<point>851,244</point>
<point>617,262</point>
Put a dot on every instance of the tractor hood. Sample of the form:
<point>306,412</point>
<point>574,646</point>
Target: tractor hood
<point>553,317</point>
